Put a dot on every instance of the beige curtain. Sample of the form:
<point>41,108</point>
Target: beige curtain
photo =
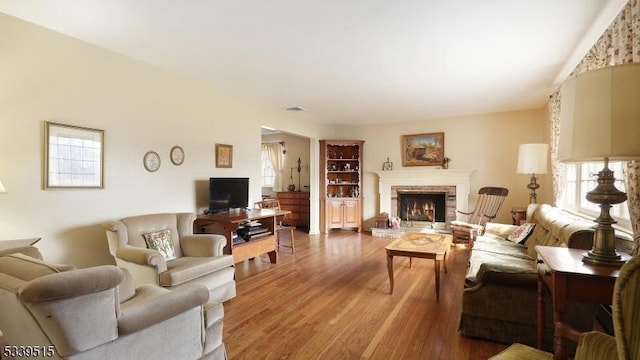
<point>632,185</point>
<point>274,151</point>
<point>620,44</point>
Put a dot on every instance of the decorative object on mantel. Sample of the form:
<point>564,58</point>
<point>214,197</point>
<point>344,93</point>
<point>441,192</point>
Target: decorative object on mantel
<point>445,162</point>
<point>423,149</point>
<point>151,161</point>
<point>600,119</point>
<point>224,156</point>
<point>532,159</point>
<point>176,155</point>
<point>387,165</point>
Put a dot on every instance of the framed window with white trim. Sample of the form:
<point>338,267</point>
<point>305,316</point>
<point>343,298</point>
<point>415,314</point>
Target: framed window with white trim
<point>73,157</point>
<point>582,178</point>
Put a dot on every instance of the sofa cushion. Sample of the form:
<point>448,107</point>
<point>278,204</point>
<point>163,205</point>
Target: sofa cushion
<point>161,241</point>
<point>506,248</point>
<point>136,314</point>
<point>517,264</point>
<point>521,234</point>
<point>500,230</point>
<point>187,268</point>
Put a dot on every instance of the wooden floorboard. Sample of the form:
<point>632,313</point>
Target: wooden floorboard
<point>331,301</point>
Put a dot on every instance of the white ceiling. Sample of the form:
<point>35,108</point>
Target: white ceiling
<point>348,61</point>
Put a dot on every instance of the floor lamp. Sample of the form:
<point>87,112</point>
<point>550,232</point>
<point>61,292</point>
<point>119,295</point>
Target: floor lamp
<point>600,120</point>
<point>532,159</point>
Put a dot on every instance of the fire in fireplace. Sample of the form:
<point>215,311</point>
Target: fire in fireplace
<point>422,206</point>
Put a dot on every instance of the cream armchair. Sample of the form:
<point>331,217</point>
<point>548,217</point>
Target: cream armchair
<point>182,258</point>
<point>96,313</point>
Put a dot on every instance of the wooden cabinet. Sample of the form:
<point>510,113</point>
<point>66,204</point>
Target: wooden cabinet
<point>343,213</point>
<point>340,184</point>
<point>298,203</point>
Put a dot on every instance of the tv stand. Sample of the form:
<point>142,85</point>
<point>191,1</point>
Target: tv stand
<point>227,224</point>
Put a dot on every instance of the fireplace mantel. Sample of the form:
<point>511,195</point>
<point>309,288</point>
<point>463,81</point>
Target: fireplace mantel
<point>460,178</point>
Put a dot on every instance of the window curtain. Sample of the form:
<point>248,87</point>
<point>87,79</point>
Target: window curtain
<point>274,152</point>
<point>620,44</point>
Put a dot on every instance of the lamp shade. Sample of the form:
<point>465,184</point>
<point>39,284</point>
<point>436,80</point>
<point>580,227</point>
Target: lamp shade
<point>2,189</point>
<point>532,158</point>
<point>600,115</point>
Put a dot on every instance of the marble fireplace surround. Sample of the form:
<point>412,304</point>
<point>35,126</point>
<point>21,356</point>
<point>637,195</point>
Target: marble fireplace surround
<point>427,179</point>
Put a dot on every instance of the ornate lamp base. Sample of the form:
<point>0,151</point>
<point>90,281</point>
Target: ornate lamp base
<point>533,186</point>
<point>604,241</point>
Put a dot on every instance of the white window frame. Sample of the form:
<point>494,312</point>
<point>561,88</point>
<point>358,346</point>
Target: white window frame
<point>582,178</point>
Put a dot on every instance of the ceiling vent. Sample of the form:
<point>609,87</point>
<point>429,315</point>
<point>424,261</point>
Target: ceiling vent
<point>296,108</point>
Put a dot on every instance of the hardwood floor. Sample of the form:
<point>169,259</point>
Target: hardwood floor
<point>331,301</point>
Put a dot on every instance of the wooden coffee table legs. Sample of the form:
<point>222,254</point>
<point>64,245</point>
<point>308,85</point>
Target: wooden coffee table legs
<point>390,270</point>
<point>437,265</point>
<point>437,268</point>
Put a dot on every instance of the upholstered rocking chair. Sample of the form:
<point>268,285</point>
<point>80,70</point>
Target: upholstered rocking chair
<point>490,200</point>
<point>594,345</point>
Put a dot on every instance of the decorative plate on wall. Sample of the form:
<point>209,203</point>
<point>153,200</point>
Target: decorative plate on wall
<point>151,161</point>
<point>177,155</point>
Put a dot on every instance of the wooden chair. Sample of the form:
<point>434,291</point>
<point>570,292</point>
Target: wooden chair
<point>490,200</point>
<point>281,228</point>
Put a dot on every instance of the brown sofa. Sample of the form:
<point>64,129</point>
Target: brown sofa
<point>499,301</point>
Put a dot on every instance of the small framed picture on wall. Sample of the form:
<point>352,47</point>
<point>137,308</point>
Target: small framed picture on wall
<point>224,156</point>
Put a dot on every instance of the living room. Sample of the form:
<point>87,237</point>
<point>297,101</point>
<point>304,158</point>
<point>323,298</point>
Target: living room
<point>143,108</point>
<point>50,76</point>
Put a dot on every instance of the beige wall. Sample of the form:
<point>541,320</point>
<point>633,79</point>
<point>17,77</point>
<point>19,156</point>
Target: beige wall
<point>487,143</point>
<point>47,76</point>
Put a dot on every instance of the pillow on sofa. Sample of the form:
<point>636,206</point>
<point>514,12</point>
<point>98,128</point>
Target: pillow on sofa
<point>521,233</point>
<point>161,241</point>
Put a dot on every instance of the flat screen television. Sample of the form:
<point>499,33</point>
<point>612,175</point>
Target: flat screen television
<point>228,193</point>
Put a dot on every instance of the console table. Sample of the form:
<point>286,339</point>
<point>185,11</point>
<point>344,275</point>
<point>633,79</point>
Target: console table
<point>227,224</point>
<point>562,272</point>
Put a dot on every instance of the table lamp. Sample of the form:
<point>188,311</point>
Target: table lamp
<point>532,159</point>
<point>600,120</point>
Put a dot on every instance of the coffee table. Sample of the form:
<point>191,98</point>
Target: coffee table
<point>420,245</point>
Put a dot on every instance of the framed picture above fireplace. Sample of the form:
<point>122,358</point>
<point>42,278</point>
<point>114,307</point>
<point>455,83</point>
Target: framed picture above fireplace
<point>423,149</point>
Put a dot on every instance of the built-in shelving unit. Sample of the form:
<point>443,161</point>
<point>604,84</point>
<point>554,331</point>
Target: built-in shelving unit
<point>341,184</point>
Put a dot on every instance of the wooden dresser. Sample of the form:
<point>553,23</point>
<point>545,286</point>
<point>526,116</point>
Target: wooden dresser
<point>298,203</point>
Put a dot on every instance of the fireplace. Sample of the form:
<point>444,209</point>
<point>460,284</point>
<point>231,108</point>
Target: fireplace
<point>422,202</point>
<point>449,185</point>
<point>422,206</point>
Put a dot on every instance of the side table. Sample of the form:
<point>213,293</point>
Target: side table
<point>562,272</point>
<point>518,215</point>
